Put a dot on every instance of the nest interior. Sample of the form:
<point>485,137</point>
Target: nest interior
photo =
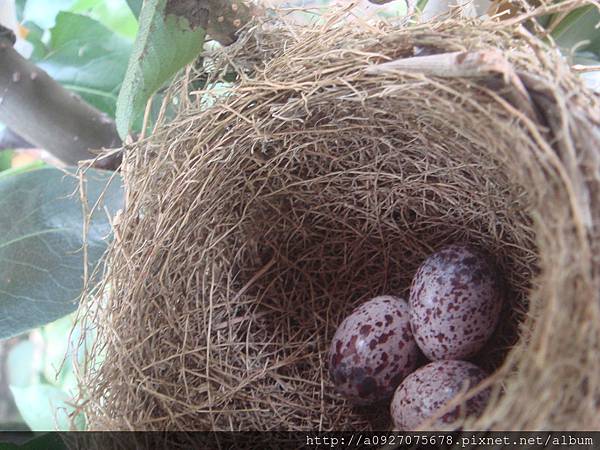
<point>253,226</point>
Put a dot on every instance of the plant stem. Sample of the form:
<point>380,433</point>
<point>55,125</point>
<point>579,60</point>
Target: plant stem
<point>44,113</point>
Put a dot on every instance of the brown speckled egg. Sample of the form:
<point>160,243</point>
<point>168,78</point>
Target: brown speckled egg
<point>373,350</point>
<point>426,391</point>
<point>455,302</point>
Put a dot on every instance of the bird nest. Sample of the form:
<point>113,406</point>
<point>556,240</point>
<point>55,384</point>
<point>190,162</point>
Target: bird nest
<point>342,156</point>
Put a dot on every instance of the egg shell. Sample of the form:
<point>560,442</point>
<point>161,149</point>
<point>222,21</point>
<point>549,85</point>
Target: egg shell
<point>373,350</point>
<point>426,391</point>
<point>455,303</point>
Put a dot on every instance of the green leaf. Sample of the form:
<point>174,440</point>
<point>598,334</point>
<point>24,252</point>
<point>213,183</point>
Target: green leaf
<point>113,14</point>
<point>579,26</point>
<point>61,344</point>
<point>37,164</point>
<point>59,337</point>
<point>82,5</point>
<point>43,12</point>
<point>41,257</point>
<point>5,159</point>
<point>69,383</point>
<point>421,4</point>
<point>44,407</point>
<point>22,366</point>
<point>87,58</point>
<point>165,43</point>
<point>35,37</point>
<point>135,6</point>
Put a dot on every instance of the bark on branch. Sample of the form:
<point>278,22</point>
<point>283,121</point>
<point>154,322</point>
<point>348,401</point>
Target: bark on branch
<point>10,140</point>
<point>226,17</point>
<point>44,113</point>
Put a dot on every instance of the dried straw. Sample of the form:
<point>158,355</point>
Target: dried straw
<point>323,178</point>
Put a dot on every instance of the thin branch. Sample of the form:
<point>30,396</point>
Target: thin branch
<point>11,140</point>
<point>581,68</point>
<point>47,115</point>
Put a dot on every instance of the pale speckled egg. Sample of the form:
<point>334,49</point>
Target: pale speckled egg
<point>373,350</point>
<point>428,390</point>
<point>455,303</point>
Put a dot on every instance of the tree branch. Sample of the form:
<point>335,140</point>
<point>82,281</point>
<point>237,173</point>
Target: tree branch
<point>10,140</point>
<point>226,17</point>
<point>44,113</point>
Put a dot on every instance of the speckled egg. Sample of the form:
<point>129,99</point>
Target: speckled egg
<point>373,350</point>
<point>455,302</point>
<point>426,391</point>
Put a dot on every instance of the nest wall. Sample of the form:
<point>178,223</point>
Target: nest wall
<point>253,226</point>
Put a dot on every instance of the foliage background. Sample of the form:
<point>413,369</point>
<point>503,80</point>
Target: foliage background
<point>85,45</point>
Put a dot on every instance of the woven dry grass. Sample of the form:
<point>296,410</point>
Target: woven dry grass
<point>254,226</point>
